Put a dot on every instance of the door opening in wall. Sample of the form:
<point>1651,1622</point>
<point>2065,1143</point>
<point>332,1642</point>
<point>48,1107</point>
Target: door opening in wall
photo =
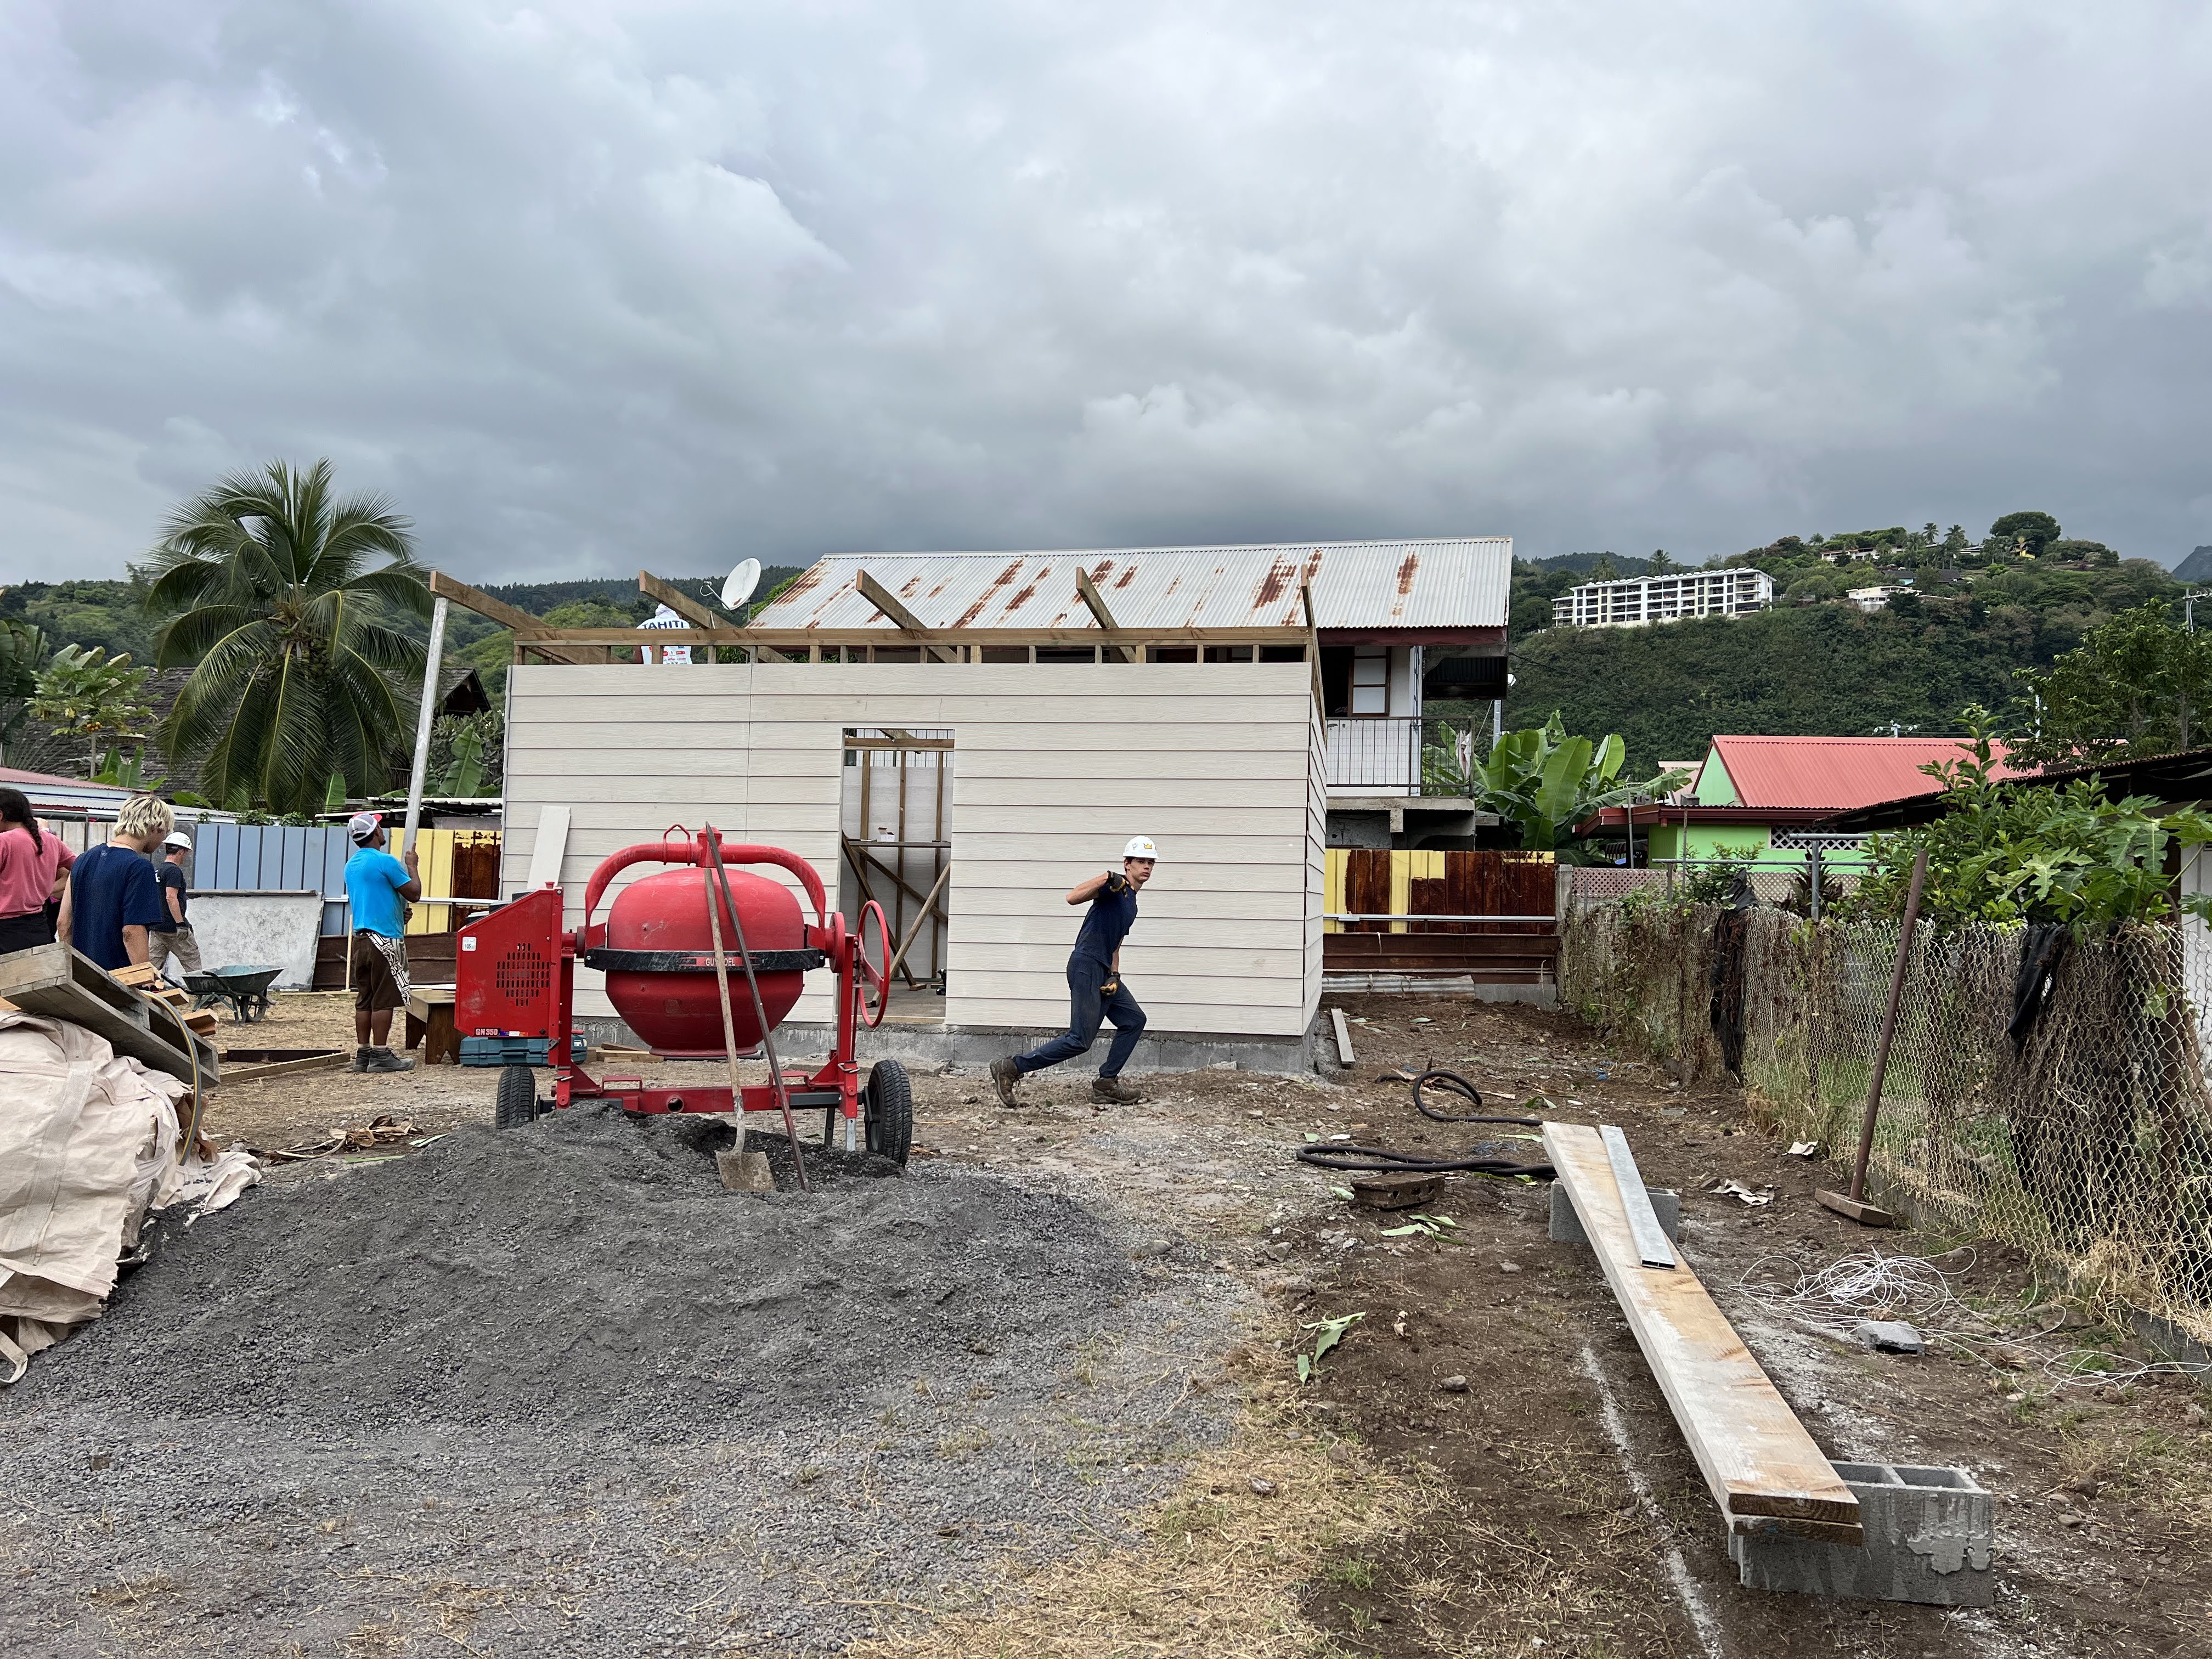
<point>896,849</point>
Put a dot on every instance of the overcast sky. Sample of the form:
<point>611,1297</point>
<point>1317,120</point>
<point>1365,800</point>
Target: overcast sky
<point>588,287</point>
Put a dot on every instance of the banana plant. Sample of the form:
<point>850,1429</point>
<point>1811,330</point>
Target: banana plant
<point>1546,782</point>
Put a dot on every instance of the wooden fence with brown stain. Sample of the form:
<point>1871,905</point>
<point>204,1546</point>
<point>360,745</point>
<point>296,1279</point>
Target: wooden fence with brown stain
<point>1413,885</point>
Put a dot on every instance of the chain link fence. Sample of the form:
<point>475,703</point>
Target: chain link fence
<point>2067,1114</point>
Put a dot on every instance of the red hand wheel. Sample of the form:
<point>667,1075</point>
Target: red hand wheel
<point>867,973</point>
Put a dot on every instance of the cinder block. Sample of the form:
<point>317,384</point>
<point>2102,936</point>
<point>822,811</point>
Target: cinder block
<point>1930,1533</point>
<point>1567,1227</point>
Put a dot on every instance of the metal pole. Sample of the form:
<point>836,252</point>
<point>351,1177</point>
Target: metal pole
<point>423,717</point>
<point>1812,863</point>
<point>1497,720</point>
<point>1888,1027</point>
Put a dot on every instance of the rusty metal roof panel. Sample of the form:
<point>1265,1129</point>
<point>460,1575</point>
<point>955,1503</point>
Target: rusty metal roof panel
<point>1461,583</point>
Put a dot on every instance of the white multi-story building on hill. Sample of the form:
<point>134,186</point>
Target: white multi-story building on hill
<point>1640,599</point>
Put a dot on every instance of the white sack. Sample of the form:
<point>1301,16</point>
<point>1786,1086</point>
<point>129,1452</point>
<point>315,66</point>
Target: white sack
<point>88,1145</point>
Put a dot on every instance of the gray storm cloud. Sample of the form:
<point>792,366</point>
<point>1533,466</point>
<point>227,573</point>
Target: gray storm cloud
<point>589,286</point>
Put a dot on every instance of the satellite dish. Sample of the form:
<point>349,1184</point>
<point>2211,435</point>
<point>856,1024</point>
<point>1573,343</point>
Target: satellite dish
<point>742,581</point>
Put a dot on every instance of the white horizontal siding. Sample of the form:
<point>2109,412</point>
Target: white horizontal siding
<point>1053,766</point>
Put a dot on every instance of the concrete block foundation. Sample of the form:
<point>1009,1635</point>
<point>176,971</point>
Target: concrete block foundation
<point>932,1045</point>
<point>1567,1227</point>
<point>1930,1533</point>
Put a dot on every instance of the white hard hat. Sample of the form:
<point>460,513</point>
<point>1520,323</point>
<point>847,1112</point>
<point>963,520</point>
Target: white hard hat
<point>177,838</point>
<point>1140,847</point>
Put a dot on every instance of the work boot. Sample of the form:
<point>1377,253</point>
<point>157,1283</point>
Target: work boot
<point>1112,1092</point>
<point>360,1053</point>
<point>383,1060</point>
<point>1005,1074</point>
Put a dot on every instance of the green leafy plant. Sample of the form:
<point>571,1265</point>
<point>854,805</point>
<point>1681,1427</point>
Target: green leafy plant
<point>1426,1226</point>
<point>126,771</point>
<point>1544,782</point>
<point>86,695</point>
<point>2016,852</point>
<point>1331,1332</point>
<point>293,606</point>
<point>2135,685</point>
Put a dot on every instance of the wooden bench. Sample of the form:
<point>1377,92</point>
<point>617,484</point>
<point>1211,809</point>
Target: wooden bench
<point>1759,1462</point>
<point>430,1024</point>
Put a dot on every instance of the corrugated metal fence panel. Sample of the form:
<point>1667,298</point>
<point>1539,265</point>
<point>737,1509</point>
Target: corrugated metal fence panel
<point>279,857</point>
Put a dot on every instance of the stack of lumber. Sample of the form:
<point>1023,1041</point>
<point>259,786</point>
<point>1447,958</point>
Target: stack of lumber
<point>56,982</point>
<point>151,986</point>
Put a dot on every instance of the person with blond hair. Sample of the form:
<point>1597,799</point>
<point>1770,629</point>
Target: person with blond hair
<point>115,898</point>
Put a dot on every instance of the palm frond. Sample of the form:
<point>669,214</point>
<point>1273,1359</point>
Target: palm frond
<point>184,640</point>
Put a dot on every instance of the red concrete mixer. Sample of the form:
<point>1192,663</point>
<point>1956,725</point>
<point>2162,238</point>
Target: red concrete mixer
<point>687,993</point>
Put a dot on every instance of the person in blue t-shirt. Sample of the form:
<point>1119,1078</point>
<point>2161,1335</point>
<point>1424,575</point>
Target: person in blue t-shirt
<point>1095,989</point>
<point>114,897</point>
<point>380,888</point>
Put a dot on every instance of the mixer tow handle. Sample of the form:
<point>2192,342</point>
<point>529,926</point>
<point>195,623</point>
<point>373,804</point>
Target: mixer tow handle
<point>719,899</point>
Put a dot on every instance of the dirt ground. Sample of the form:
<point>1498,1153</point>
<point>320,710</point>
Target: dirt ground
<point>1551,1506</point>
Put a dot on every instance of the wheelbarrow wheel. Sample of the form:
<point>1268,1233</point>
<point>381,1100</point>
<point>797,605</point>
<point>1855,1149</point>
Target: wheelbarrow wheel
<point>518,1097</point>
<point>887,1105</point>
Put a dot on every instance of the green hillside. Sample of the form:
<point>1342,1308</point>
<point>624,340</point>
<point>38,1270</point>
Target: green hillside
<point>1815,664</point>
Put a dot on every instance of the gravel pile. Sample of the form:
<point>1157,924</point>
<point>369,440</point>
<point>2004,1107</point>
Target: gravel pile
<point>553,1389</point>
<point>591,1269</point>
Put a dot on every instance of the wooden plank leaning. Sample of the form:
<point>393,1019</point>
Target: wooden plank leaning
<point>58,982</point>
<point>1758,1460</point>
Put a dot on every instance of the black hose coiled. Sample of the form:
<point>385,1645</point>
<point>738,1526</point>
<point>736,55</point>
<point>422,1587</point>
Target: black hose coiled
<point>1382,1159</point>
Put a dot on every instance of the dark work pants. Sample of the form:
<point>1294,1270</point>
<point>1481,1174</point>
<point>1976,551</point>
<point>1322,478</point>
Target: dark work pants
<point>1087,1006</point>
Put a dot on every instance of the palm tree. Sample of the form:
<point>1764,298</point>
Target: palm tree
<point>284,600</point>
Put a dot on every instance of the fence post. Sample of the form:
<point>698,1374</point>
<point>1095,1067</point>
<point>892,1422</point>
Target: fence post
<point>1813,866</point>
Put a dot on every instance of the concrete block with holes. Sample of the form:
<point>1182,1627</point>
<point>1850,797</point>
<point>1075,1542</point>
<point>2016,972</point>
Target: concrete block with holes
<point>1567,1227</point>
<point>1930,1533</point>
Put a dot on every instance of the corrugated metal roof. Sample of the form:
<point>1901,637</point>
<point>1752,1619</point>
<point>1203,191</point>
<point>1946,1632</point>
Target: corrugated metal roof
<point>1462,583</point>
<point>1835,774</point>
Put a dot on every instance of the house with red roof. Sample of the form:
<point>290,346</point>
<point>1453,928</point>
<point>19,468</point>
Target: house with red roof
<point>1752,794</point>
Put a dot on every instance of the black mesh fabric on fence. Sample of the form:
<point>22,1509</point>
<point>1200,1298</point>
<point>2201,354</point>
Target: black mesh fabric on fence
<point>2088,1143</point>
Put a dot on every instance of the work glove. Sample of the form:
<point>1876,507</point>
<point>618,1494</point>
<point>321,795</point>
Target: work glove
<point>1117,883</point>
<point>1110,986</point>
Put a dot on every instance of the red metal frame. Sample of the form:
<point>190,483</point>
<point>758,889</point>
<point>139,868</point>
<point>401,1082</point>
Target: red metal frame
<point>502,990</point>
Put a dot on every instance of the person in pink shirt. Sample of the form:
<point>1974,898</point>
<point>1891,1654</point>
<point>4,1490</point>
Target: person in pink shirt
<point>33,868</point>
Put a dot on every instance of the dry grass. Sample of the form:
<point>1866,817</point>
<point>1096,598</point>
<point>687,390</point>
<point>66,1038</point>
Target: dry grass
<point>1221,1573</point>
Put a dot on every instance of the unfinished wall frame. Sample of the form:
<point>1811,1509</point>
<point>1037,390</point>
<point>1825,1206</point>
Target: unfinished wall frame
<point>1057,764</point>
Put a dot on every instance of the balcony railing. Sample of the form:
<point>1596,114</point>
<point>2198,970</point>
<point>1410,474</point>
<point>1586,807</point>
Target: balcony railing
<point>1374,756</point>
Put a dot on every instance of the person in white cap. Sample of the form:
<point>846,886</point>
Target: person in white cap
<point>172,936</point>
<point>379,887</point>
<point>1095,989</point>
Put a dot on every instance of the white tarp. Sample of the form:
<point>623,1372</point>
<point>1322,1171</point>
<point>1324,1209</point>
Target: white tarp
<point>88,1148</point>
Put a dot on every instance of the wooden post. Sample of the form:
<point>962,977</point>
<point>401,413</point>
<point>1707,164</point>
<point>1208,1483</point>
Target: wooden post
<point>1854,1203</point>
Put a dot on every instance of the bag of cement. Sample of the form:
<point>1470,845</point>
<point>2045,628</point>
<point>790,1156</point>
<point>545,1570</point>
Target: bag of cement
<point>88,1146</point>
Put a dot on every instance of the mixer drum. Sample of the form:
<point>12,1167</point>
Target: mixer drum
<point>675,1012</point>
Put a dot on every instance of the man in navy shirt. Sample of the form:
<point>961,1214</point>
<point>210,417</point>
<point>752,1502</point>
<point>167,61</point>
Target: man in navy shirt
<point>114,897</point>
<point>1094,990</point>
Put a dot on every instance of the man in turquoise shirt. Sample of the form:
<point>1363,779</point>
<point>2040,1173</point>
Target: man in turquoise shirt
<point>380,887</point>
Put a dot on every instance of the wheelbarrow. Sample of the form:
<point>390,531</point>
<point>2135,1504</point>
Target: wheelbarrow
<point>245,989</point>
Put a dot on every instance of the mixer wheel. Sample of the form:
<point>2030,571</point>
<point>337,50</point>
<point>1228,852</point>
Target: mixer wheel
<point>887,1105</point>
<point>517,1097</point>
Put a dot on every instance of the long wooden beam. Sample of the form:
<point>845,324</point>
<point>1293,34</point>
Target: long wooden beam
<point>521,624</point>
<point>678,600</point>
<point>1088,591</point>
<point>799,639</point>
<point>888,602</point>
<point>1757,1459</point>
